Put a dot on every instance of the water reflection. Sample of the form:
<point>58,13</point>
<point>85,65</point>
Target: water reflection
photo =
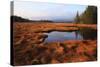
<point>82,33</point>
<point>88,33</point>
<point>61,36</point>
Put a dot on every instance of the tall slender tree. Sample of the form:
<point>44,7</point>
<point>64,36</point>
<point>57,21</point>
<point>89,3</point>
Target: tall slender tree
<point>77,19</point>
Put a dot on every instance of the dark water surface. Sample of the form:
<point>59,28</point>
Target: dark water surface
<point>61,36</point>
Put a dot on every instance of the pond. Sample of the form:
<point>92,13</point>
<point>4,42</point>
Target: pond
<point>61,36</point>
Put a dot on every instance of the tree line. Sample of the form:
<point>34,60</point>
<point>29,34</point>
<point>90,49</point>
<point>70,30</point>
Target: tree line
<point>89,16</point>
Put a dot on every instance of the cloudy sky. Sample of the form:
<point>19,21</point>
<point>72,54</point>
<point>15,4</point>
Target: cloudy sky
<point>47,11</point>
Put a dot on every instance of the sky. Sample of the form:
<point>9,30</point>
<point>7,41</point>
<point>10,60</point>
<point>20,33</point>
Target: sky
<point>47,11</point>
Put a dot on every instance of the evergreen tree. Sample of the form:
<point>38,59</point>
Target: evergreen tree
<point>89,16</point>
<point>77,19</point>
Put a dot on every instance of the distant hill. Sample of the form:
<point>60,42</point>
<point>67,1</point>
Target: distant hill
<point>20,19</point>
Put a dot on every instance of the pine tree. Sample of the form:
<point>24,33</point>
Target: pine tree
<point>77,19</point>
<point>90,15</point>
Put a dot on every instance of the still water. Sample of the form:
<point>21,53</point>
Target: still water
<point>61,36</point>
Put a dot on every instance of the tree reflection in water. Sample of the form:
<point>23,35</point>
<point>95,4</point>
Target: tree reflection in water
<point>88,33</point>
